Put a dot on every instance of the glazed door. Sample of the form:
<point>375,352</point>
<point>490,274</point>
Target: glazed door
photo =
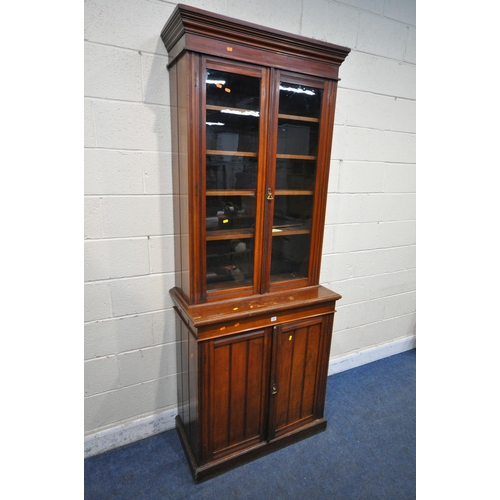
<point>297,375</point>
<point>237,397</point>
<point>297,178</point>
<point>235,116</point>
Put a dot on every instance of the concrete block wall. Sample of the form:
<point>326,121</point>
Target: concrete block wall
<point>369,244</point>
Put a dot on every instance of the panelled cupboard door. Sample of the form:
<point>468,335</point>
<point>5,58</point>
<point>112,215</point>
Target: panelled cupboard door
<point>297,374</point>
<point>263,384</point>
<point>237,370</point>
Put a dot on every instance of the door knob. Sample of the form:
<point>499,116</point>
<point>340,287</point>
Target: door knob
<point>269,194</point>
<point>274,390</point>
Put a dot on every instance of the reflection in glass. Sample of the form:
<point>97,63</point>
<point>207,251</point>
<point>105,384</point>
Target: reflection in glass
<point>297,137</point>
<point>300,100</point>
<point>231,132</point>
<point>290,257</point>
<point>229,263</point>
<point>230,212</point>
<point>231,172</point>
<point>232,90</point>
<point>292,211</point>
<point>292,174</point>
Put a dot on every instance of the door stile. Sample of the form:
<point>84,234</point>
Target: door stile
<point>261,202</point>
<point>267,189</point>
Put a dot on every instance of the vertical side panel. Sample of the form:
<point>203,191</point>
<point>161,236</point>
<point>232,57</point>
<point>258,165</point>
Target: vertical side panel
<point>321,188</point>
<point>182,376</point>
<point>176,175</point>
<point>180,146</point>
<point>194,92</point>
<point>187,382</point>
<point>193,392</point>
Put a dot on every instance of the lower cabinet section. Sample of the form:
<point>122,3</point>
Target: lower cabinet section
<point>245,394</point>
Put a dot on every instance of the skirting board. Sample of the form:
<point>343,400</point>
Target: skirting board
<point>354,359</point>
<point>141,428</point>
<point>129,432</point>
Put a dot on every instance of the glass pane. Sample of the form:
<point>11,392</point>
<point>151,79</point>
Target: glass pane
<point>232,144</point>
<point>297,137</point>
<point>300,100</point>
<point>292,211</point>
<point>233,90</point>
<point>229,263</point>
<point>233,103</point>
<point>292,174</point>
<point>230,132</point>
<point>229,212</point>
<point>295,179</point>
<point>231,172</point>
<point>290,257</point>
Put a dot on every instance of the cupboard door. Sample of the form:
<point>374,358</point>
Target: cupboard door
<point>238,374</point>
<point>296,375</point>
<point>235,113</point>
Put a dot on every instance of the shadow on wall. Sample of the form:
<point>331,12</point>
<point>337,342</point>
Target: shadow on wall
<point>162,252</point>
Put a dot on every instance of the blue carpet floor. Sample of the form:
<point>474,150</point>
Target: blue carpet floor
<point>367,451</point>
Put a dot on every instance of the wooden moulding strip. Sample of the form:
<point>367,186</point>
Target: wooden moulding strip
<point>188,20</point>
<point>299,118</point>
<point>228,235</point>
<point>215,152</point>
<point>230,192</point>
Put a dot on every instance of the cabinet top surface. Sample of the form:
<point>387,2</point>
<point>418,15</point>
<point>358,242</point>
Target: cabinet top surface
<point>209,312</point>
<point>187,20</point>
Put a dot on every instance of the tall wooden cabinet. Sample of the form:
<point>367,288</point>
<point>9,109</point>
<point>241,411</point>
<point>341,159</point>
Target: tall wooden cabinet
<point>252,123</point>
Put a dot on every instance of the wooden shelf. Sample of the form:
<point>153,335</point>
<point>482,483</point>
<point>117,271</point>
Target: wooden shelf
<point>211,152</point>
<point>239,111</point>
<point>299,118</point>
<point>229,284</point>
<point>230,192</point>
<point>290,231</point>
<point>293,192</point>
<point>229,234</point>
<point>295,157</point>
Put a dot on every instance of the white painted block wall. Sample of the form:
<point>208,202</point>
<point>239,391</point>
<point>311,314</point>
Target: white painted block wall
<point>369,245</point>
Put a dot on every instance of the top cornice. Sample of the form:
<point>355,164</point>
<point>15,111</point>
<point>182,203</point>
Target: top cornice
<point>192,21</point>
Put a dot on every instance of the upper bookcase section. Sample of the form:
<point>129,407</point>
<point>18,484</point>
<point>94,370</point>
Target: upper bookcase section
<point>196,30</point>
